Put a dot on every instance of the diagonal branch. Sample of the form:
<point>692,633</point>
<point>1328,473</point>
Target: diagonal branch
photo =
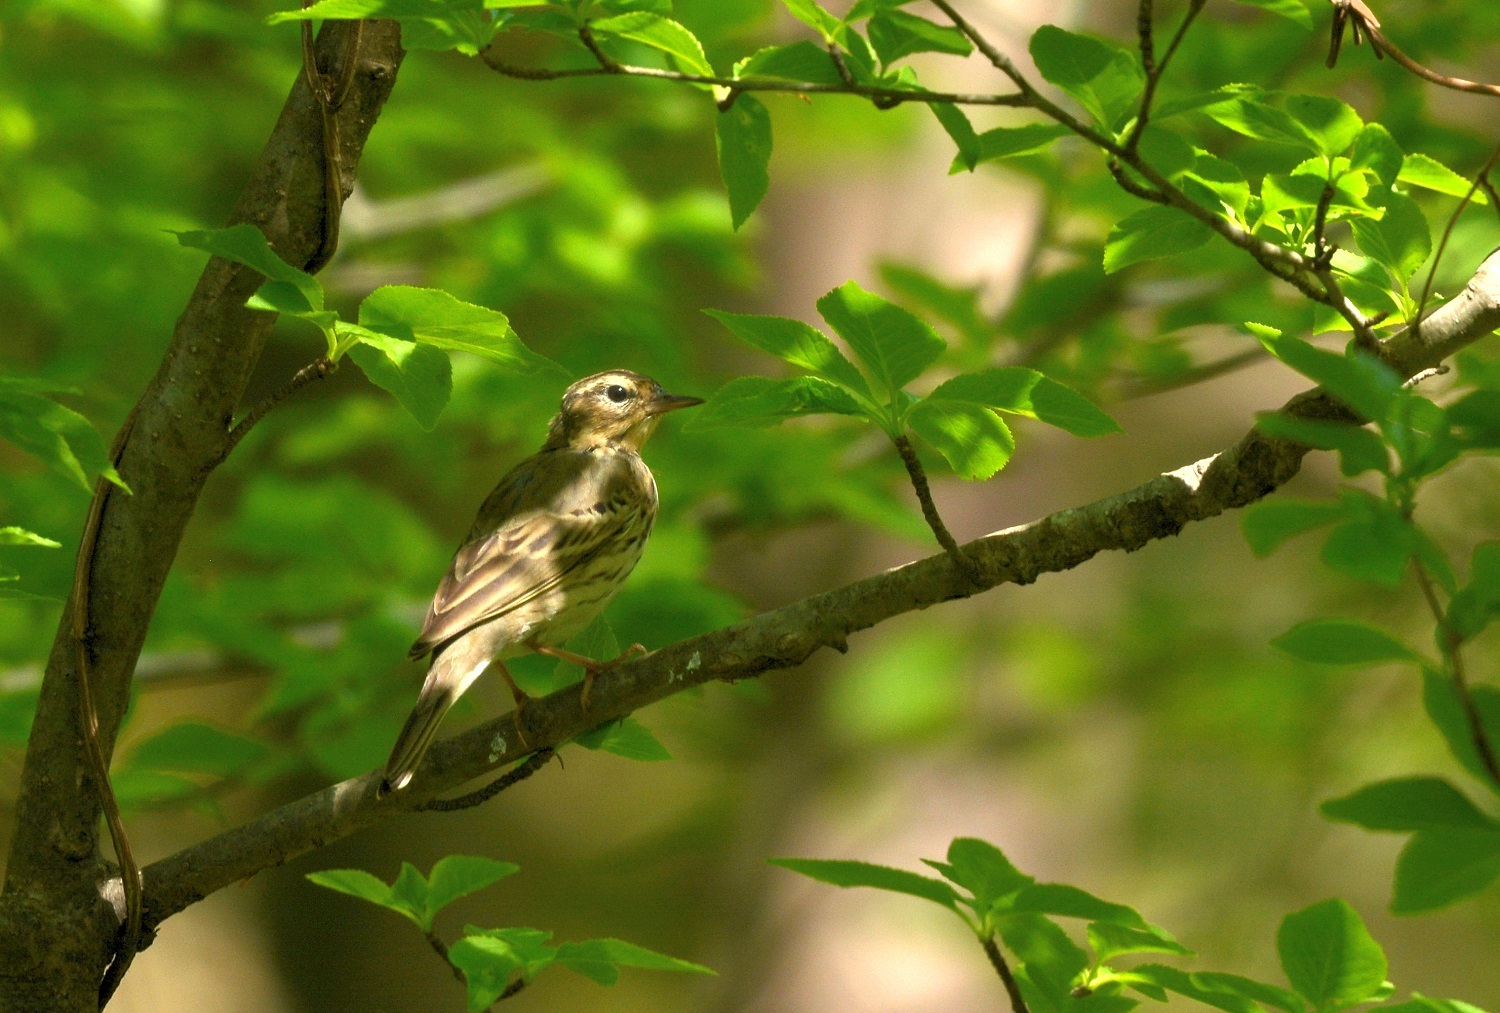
<point>1254,467</point>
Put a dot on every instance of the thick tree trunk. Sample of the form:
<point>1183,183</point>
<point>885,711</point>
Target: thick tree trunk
<point>56,930</point>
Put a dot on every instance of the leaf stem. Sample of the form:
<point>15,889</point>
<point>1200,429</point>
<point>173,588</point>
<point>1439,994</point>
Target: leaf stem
<point>1451,644</point>
<point>929,509</point>
<point>992,950</point>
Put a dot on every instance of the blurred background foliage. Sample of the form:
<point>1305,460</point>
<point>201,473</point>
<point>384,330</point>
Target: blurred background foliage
<point>1124,727</point>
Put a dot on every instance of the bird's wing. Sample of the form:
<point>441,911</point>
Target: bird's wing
<point>553,513</point>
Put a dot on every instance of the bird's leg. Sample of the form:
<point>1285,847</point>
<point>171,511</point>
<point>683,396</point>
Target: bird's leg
<point>519,695</point>
<point>591,667</point>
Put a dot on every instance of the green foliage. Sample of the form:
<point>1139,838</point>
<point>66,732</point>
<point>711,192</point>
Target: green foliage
<point>743,140</point>
<point>492,960</point>
<point>63,439</point>
<point>958,417</point>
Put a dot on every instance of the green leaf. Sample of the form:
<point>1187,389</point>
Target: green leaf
<point>1374,543</point>
<point>1050,961</point>
<point>434,318</point>
<point>1151,233</point>
<point>488,964</point>
<point>1365,384</point>
<point>1292,10</point>
<point>13,535</point>
<point>982,869</point>
<point>1105,79</point>
<point>1008,142</point>
<point>417,375</point>
<point>1476,604</point>
<point>809,13</point>
<point>1109,940</point>
<point>1377,152</point>
<point>892,343</point>
<point>1331,125</point>
<point>1438,867</point>
<point>796,61</point>
<point>1329,956</point>
<point>600,959</point>
<point>1408,803</point>
<point>626,737</point>
<point>1342,642</point>
<point>1449,714</point>
<point>1022,391</point>
<point>958,127</point>
<point>60,437</point>
<point>840,872</point>
<point>244,244</point>
<point>1249,113</point>
<point>1269,522</point>
<point>460,875</point>
<point>195,748</point>
<point>1399,241</point>
<point>743,141</point>
<point>973,439</point>
<point>358,883</point>
<point>795,342</point>
<point>1222,991</point>
<point>1428,173</point>
<point>664,34</point>
<point>759,401</point>
<point>1071,902</point>
<point>1359,449</point>
<point>895,34</point>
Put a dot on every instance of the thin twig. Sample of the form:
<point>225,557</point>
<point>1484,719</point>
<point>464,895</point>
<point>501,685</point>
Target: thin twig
<point>929,509</point>
<point>1451,644</point>
<point>1358,17</point>
<point>1155,71</point>
<point>535,762</point>
<point>999,60</point>
<point>1482,179</point>
<point>315,370</point>
<point>752,84</point>
<point>992,950</point>
<point>131,883</point>
<point>441,949</point>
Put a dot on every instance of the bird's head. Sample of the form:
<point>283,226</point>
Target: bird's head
<point>613,408</point>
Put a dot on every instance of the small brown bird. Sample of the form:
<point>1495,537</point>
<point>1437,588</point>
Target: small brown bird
<point>551,545</point>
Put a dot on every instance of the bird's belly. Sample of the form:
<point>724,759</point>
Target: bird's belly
<point>568,610</point>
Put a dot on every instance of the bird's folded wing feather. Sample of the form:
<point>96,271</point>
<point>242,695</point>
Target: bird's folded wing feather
<point>549,516</point>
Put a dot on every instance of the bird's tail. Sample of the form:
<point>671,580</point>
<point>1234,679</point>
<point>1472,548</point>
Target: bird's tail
<point>450,674</point>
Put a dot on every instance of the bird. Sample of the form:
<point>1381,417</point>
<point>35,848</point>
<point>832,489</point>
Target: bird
<point>549,548</point>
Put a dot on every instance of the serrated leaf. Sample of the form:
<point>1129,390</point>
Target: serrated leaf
<point>956,123</point>
<point>1365,384</point>
<point>1329,956</point>
<point>1359,449</point>
<point>60,437</point>
<point>795,342</point>
<point>1441,866</point>
<point>1373,543</point>
<point>809,13</point>
<point>840,872</point>
<point>488,964</point>
<point>1109,940</point>
<point>743,141</point>
<point>460,875</point>
<point>759,401</point>
<point>1400,240</point>
<point>245,244</point>
<point>434,318</point>
<point>419,376</point>
<point>1066,901</point>
<point>1450,716</point>
<point>600,959</point>
<point>1269,522</point>
<point>1342,642</point>
<point>895,34</point>
<point>1009,142</point>
<point>660,33</point>
<point>796,61</point>
<point>1377,152</point>
<point>358,883</point>
<point>1151,233</point>
<point>1022,391</point>
<point>982,869</point>
<point>1105,79</point>
<point>1331,125</point>
<point>973,439</point>
<point>1408,803</point>
<point>1428,173</point>
<point>894,345</point>
<point>626,737</point>
<point>1222,991</point>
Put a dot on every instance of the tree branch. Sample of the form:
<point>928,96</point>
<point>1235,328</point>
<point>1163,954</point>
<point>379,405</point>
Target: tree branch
<point>55,933</point>
<point>1249,470</point>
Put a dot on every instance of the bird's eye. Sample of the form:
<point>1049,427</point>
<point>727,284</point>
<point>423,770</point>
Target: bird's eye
<point>616,393</point>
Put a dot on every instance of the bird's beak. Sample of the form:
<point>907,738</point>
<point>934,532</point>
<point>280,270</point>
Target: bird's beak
<point>662,402</point>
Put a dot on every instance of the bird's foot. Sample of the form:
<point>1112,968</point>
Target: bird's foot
<point>591,667</point>
<point>521,698</point>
